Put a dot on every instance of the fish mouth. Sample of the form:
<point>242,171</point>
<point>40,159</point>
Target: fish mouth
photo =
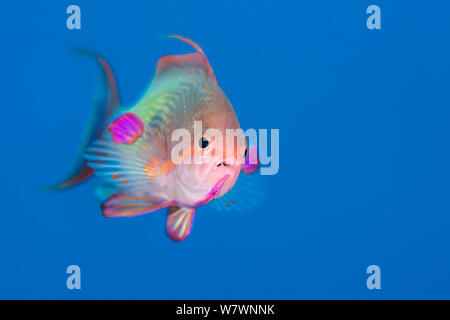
<point>223,163</point>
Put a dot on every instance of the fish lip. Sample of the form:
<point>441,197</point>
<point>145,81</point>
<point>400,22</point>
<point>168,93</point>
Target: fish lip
<point>219,184</point>
<point>214,190</point>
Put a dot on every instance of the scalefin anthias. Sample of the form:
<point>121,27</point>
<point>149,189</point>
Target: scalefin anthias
<point>131,149</point>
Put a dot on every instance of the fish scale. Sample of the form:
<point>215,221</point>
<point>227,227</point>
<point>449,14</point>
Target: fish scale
<point>170,100</point>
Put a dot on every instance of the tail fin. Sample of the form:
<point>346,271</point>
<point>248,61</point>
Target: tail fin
<point>106,102</point>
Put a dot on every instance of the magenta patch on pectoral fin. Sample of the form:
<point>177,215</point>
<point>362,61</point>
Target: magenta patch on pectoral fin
<point>179,222</point>
<point>251,162</point>
<point>127,128</point>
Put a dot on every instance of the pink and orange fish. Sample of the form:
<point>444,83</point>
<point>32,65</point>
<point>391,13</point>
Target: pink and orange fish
<point>130,148</point>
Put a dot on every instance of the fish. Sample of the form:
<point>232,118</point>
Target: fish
<point>131,148</point>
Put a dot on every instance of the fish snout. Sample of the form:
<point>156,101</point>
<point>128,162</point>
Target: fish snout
<point>222,163</point>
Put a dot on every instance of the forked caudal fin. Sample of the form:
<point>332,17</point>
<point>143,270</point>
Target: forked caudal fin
<point>105,104</point>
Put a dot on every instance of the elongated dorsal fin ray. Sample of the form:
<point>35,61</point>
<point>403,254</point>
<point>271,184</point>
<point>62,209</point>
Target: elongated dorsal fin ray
<point>194,60</point>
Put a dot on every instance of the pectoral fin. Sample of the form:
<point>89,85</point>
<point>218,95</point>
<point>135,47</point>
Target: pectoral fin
<point>248,192</point>
<point>129,156</point>
<point>179,222</point>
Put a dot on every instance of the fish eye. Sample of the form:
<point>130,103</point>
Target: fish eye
<point>246,153</point>
<point>203,143</point>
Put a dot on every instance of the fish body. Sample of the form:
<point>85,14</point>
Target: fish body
<point>133,151</point>
<point>177,98</point>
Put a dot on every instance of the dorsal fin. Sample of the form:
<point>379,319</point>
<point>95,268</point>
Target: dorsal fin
<point>196,60</point>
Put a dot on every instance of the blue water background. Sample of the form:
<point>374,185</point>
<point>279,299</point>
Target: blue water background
<point>364,150</point>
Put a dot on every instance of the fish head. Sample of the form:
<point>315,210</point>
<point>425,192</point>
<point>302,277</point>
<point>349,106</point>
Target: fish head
<point>218,150</point>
